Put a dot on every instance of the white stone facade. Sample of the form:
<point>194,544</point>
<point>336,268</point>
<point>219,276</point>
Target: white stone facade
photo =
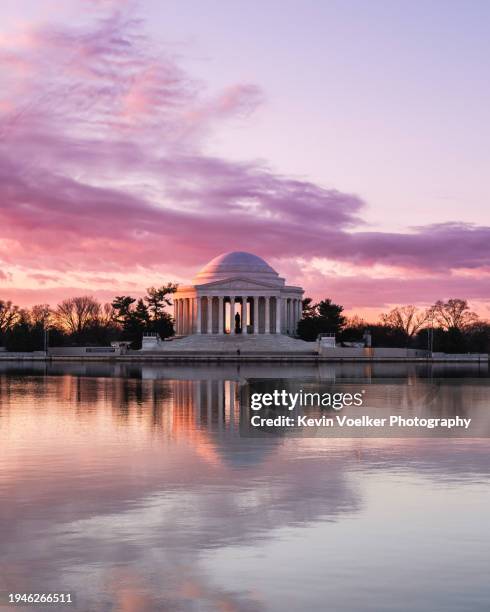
<point>237,283</point>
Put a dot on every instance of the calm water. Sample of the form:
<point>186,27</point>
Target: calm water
<point>132,488</point>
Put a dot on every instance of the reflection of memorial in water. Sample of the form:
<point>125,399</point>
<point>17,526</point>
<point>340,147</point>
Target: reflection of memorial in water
<point>211,412</point>
<point>208,404</point>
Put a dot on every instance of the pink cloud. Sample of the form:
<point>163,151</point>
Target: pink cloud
<point>42,279</point>
<point>359,291</point>
<point>102,168</point>
<point>54,295</point>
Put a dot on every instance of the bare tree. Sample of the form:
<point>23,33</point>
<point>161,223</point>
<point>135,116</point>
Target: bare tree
<point>107,315</point>
<point>78,313</point>
<point>408,319</point>
<point>453,314</point>
<point>9,315</point>
<point>356,322</point>
<point>41,314</point>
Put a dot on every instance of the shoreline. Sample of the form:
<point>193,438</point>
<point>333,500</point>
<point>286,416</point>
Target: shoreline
<point>232,358</point>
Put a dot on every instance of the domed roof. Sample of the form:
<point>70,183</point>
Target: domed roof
<point>237,263</point>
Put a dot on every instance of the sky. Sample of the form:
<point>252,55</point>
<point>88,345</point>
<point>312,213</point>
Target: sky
<point>344,142</point>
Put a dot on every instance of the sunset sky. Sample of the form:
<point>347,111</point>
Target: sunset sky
<point>346,142</point>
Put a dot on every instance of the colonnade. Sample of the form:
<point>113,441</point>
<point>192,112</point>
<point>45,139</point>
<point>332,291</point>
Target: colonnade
<point>209,314</point>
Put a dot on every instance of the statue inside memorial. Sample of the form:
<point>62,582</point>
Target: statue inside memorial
<point>238,327</point>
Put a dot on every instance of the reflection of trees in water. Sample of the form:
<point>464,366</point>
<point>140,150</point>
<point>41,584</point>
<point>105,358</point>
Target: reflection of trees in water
<point>145,399</point>
<point>205,396</point>
<point>435,398</point>
<point>208,398</point>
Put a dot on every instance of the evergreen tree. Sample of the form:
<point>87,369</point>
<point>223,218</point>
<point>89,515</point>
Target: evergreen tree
<point>321,318</point>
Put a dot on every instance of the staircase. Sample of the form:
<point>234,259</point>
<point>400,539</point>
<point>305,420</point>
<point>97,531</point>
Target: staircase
<point>231,344</point>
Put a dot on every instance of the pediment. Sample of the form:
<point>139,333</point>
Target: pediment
<point>238,283</point>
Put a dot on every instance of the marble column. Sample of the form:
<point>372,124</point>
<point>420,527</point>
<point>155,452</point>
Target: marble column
<point>194,315</point>
<point>244,315</point>
<point>278,315</point>
<point>221,326</point>
<point>267,315</point>
<point>210,315</point>
<point>198,316</point>
<point>232,314</point>
<point>256,314</point>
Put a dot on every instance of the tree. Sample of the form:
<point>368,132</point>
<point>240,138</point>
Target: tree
<point>77,314</point>
<point>157,299</point>
<point>41,314</point>
<point>478,335</point>
<point>137,322</point>
<point>308,308</point>
<point>41,319</point>
<point>122,306</point>
<point>106,316</point>
<point>406,319</point>
<point>324,317</point>
<point>18,337</point>
<point>356,322</point>
<point>141,313</point>
<point>354,329</point>
<point>9,314</point>
<point>331,315</point>
<point>133,318</point>
<point>454,314</point>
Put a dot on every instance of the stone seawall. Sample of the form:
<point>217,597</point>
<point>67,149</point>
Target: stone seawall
<point>261,357</point>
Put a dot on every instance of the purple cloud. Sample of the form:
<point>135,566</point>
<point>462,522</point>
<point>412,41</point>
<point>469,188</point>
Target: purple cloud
<point>102,167</point>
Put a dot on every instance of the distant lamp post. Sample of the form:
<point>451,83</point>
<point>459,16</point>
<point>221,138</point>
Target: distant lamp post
<point>430,336</point>
<point>46,335</point>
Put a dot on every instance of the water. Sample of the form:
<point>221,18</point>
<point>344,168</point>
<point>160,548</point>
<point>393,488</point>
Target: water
<point>131,487</point>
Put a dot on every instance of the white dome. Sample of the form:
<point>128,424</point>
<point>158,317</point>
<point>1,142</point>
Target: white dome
<point>237,264</point>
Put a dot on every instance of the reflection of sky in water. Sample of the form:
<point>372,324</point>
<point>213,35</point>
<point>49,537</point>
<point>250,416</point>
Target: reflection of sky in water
<point>139,491</point>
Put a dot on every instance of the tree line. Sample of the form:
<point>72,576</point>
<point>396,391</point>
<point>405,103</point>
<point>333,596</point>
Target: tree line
<point>83,320</point>
<point>449,326</point>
